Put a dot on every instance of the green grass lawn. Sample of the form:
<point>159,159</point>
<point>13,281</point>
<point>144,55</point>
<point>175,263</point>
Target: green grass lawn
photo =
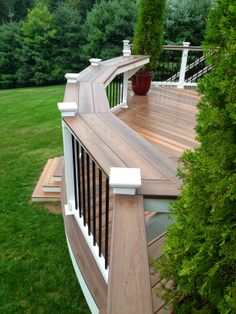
<point>36,274</point>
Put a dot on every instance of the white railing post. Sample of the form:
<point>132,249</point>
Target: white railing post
<point>95,62</point>
<point>126,48</point>
<point>126,53</point>
<point>68,109</point>
<point>183,65</point>
<point>69,174</point>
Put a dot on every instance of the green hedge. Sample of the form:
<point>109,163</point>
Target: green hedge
<point>200,253</point>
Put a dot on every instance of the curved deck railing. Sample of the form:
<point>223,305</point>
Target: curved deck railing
<point>95,141</point>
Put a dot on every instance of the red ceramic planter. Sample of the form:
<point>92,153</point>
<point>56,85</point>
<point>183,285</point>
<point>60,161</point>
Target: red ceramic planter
<point>141,83</point>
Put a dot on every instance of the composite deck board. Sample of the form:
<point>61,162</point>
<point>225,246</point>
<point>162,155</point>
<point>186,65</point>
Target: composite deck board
<point>129,271</point>
<point>162,121</point>
<point>95,146</point>
<point>131,157</point>
<point>155,158</point>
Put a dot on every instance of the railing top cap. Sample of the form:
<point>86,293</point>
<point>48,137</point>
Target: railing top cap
<point>125,177</point>
<point>95,61</point>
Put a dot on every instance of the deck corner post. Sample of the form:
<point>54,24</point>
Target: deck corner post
<point>184,60</point>
<point>95,62</point>
<point>126,53</point>
<point>125,180</point>
<point>126,48</point>
<point>69,174</point>
<point>71,78</point>
<point>67,109</point>
<point>125,91</point>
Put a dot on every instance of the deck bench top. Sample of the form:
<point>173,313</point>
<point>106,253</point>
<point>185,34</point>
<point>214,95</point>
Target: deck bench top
<point>113,144</point>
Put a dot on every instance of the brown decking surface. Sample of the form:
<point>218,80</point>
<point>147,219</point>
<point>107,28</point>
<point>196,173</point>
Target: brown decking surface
<point>165,117</point>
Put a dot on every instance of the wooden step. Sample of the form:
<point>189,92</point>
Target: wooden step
<point>49,185</point>
<point>57,174</point>
<point>39,194</point>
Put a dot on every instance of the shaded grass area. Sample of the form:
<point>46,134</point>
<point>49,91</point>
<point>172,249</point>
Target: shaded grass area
<point>36,274</point>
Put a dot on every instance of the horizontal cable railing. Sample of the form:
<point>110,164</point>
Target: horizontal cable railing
<point>180,66</point>
<point>92,197</point>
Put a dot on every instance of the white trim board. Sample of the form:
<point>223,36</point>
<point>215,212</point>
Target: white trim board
<point>91,303</point>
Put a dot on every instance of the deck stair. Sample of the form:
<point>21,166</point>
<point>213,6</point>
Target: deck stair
<point>48,187</point>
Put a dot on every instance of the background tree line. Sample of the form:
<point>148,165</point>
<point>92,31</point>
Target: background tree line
<point>41,40</point>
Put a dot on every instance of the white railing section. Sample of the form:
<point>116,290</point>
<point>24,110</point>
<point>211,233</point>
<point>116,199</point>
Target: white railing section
<point>70,207</point>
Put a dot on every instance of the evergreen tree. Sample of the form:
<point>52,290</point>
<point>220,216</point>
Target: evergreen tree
<point>21,7</point>
<point>106,26</point>
<point>68,41</point>
<point>149,29</point>
<point>37,66</point>
<point>200,253</point>
<point>9,58</point>
<point>186,21</point>
<point>83,6</point>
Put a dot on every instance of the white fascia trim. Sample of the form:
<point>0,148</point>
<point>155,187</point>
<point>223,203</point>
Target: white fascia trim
<point>90,300</point>
<point>94,249</point>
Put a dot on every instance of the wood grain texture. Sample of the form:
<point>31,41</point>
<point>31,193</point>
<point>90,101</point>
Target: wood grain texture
<point>165,118</point>
<point>129,290</point>
<point>93,144</point>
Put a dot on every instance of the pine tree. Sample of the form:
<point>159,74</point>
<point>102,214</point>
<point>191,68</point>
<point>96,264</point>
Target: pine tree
<point>38,42</point>
<point>10,34</point>
<point>107,25</point>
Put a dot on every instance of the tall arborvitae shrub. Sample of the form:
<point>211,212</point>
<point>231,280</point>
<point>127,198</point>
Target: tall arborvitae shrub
<point>148,33</point>
<point>200,252</point>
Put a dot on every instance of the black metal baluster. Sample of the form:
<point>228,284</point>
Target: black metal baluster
<point>100,213</point>
<point>83,185</point>
<point>74,170</point>
<point>88,193</point>
<point>94,203</point>
<point>107,223</point>
<point>79,175</point>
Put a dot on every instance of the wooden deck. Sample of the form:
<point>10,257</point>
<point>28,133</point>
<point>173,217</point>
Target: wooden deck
<point>151,134</point>
<point>165,117</point>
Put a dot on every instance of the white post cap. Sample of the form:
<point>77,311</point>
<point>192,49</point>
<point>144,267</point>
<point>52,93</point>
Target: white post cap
<point>125,180</point>
<point>71,77</point>
<point>68,109</point>
<point>126,48</point>
<point>186,43</point>
<point>95,62</point>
